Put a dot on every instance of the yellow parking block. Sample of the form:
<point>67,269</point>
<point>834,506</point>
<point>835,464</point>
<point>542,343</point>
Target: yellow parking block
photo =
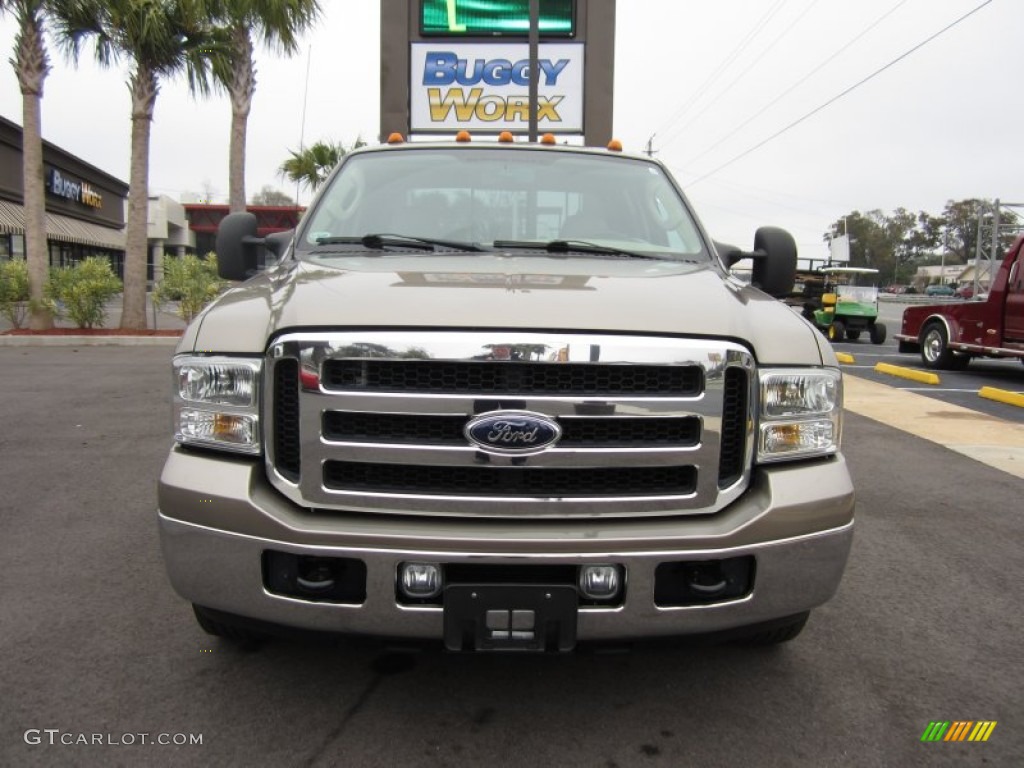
<point>842,357</point>
<point>1002,396</point>
<point>907,373</point>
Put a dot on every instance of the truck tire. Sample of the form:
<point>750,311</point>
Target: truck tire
<point>877,333</point>
<point>837,331</point>
<point>781,633</point>
<point>935,351</point>
<point>211,623</point>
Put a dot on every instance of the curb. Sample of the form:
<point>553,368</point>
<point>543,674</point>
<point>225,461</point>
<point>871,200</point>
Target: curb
<point>1002,396</point>
<point>907,373</point>
<point>843,357</point>
<point>89,341</point>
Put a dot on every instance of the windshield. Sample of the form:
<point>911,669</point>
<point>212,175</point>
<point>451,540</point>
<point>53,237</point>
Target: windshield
<point>867,294</point>
<point>516,197</point>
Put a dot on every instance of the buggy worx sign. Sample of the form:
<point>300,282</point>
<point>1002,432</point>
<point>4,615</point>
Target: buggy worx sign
<point>484,87</point>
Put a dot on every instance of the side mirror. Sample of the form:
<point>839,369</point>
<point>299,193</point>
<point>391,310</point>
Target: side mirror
<point>276,244</point>
<point>774,261</point>
<point>730,254</point>
<point>237,246</point>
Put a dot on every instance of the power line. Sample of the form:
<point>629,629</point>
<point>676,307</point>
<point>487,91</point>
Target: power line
<point>797,84</point>
<point>752,33</point>
<point>836,98</point>
<point>675,134</point>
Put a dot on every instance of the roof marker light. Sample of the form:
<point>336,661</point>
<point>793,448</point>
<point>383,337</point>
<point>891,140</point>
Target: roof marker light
<point>614,145</point>
<point>396,138</point>
<point>548,138</point>
<point>463,136</point>
<point>506,137</point>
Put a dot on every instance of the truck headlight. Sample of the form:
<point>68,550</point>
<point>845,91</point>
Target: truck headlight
<point>800,413</point>
<point>216,402</point>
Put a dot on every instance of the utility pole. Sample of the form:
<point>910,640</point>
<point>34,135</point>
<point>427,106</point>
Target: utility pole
<point>534,66</point>
<point>945,250</point>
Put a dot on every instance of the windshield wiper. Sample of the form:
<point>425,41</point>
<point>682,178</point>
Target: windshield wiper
<point>380,241</point>
<point>574,246</point>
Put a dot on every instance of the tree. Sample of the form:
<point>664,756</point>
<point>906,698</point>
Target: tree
<point>278,23</point>
<point>270,196</point>
<point>311,166</point>
<point>160,38</point>
<point>32,64</point>
<point>870,239</point>
<point>913,237</point>
<point>961,220</point>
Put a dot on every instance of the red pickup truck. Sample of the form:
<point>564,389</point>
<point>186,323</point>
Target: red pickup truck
<point>949,335</point>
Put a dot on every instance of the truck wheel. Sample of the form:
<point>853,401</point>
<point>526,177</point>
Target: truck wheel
<point>212,624</point>
<point>781,633</point>
<point>935,351</point>
<point>878,333</point>
<point>837,331</point>
<point>853,335</point>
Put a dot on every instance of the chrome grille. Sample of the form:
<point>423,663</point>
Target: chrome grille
<point>510,482</point>
<point>510,377</point>
<point>373,422</point>
<point>582,432</point>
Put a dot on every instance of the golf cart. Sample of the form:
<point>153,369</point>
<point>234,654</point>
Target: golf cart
<point>848,305</point>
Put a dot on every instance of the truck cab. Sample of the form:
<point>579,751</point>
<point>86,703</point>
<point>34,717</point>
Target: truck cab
<point>504,397</point>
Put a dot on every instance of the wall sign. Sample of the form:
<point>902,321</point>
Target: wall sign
<point>73,190</point>
<point>484,87</point>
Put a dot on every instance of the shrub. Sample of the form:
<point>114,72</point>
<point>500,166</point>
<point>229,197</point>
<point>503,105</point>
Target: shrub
<point>191,281</point>
<point>14,293</point>
<point>83,290</point>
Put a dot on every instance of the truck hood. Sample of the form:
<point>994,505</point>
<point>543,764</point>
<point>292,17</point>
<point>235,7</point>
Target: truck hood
<point>508,292</point>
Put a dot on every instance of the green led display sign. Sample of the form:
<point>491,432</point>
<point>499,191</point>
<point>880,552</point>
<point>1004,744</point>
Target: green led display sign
<point>457,18</point>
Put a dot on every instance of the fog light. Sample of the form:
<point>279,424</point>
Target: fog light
<point>600,582</point>
<point>420,580</point>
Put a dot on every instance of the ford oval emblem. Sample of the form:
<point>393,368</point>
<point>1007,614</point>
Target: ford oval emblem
<point>512,433</point>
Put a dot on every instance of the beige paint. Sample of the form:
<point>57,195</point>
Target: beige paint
<point>493,290</point>
<point>990,440</point>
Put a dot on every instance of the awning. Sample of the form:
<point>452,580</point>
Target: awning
<point>62,228</point>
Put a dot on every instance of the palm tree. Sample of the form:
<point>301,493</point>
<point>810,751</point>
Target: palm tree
<point>312,165</point>
<point>278,23</point>
<point>160,38</point>
<point>32,64</point>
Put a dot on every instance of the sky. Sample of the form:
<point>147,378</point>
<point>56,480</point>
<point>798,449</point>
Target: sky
<point>712,81</point>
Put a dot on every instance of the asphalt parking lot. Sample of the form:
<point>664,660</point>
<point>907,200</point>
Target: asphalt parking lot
<point>926,626</point>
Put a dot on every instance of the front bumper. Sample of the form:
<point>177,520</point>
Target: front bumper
<point>218,515</point>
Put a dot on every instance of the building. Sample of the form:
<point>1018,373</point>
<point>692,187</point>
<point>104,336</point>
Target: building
<point>168,233</point>
<point>954,275</point>
<point>85,207</point>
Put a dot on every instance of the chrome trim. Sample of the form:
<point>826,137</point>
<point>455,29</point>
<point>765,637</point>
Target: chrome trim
<point>312,350</point>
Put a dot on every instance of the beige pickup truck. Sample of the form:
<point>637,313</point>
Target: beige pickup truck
<point>504,396</point>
